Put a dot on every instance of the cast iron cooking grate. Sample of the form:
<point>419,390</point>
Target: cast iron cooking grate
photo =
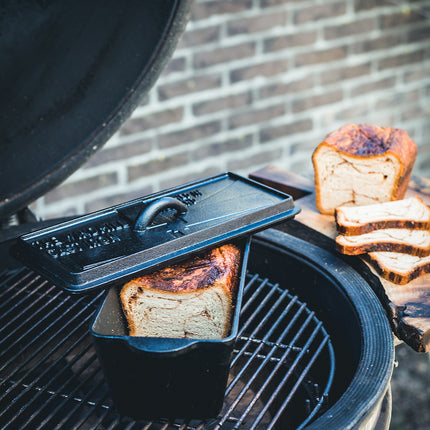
<point>50,377</point>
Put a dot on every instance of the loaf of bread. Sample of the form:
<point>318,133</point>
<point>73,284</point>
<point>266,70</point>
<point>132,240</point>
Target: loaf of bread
<point>192,299</point>
<point>397,267</point>
<point>411,213</point>
<point>403,240</point>
<point>362,164</point>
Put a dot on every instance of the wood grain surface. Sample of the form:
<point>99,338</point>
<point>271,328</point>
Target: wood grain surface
<point>407,306</point>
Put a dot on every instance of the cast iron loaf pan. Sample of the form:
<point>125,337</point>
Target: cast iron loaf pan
<point>157,377</point>
<point>165,377</point>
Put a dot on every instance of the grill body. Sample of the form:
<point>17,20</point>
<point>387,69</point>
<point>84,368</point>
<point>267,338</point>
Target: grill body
<point>306,348</point>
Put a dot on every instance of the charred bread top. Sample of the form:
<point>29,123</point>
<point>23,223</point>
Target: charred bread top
<point>362,164</point>
<point>192,299</point>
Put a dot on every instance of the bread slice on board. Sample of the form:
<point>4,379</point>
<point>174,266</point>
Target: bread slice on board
<point>411,213</point>
<point>408,241</point>
<point>397,267</point>
<point>193,299</point>
<point>362,164</point>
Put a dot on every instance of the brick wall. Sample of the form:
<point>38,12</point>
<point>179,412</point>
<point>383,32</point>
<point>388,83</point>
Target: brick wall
<point>254,82</point>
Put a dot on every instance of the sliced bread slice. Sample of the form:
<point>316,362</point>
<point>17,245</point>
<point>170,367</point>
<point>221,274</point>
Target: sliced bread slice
<point>397,267</point>
<point>408,241</point>
<point>411,213</point>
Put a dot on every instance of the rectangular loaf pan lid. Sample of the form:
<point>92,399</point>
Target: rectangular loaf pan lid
<point>114,245</point>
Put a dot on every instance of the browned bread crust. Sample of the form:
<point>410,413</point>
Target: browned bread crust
<point>219,264</point>
<point>391,240</point>
<point>369,140</point>
<point>410,213</point>
<point>184,286</point>
<point>382,224</point>
<point>364,142</point>
<point>390,272</point>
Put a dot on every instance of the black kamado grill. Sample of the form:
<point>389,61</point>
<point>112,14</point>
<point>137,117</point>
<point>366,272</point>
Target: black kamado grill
<point>313,347</point>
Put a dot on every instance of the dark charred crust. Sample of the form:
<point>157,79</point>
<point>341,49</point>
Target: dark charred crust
<point>378,225</point>
<point>364,139</point>
<point>382,247</point>
<point>197,273</point>
<point>398,278</point>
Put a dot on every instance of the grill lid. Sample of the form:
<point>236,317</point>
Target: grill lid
<point>115,244</point>
<point>71,73</point>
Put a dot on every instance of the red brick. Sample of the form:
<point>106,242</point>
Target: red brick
<point>318,12</point>
<point>200,36</point>
<point>351,28</point>
<point>367,4</point>
<point>419,34</point>
<point>397,19</point>
<point>157,119</point>
<point>270,3</point>
<point>401,60</point>
<point>317,100</point>
<point>266,69</point>
<point>81,187</point>
<point>320,56</point>
<point>218,148</point>
<point>354,112</point>
<point>256,116</point>
<point>414,112</point>
<point>194,173</point>
<point>203,10</point>
<point>228,102</point>
<point>343,73</point>
<point>145,100</point>
<point>122,152</point>
<point>279,43</point>
<point>304,166</point>
<point>157,165</point>
<point>175,65</point>
<point>275,132</point>
<point>256,24</point>
<point>189,134</point>
<point>117,198</point>
<point>375,44</point>
<point>65,212</point>
<point>387,101</point>
<point>305,145</point>
<point>422,163</point>
<point>373,86</point>
<point>187,86</point>
<point>280,88</point>
<point>416,75</point>
<point>247,161</point>
<point>223,55</point>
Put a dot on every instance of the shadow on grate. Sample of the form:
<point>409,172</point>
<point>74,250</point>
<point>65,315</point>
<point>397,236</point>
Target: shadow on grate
<point>50,377</point>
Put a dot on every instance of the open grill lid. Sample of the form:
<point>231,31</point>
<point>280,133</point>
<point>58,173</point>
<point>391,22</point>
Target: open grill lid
<point>72,72</point>
<point>115,244</point>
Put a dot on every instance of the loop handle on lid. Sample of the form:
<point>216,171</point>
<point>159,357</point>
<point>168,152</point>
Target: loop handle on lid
<point>148,214</point>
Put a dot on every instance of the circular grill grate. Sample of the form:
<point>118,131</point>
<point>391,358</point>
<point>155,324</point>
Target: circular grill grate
<point>280,377</point>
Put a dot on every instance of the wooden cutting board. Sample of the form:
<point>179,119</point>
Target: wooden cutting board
<point>407,306</point>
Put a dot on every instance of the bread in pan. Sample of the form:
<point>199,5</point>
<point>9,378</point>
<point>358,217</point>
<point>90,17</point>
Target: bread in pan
<point>362,164</point>
<point>192,299</point>
<point>403,240</point>
<point>411,213</point>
